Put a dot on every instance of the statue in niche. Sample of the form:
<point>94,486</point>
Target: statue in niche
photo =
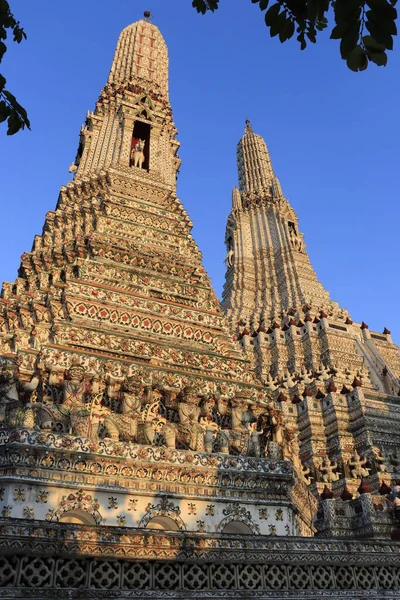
<point>236,439</point>
<point>188,432</point>
<point>270,422</point>
<point>229,258</point>
<point>209,426</point>
<point>276,425</point>
<point>328,469</point>
<point>152,420</point>
<point>74,413</point>
<point>296,239</point>
<point>11,408</point>
<point>113,382</point>
<point>379,459</point>
<point>358,466</point>
<point>137,154</point>
<point>17,399</point>
<point>124,425</point>
<point>74,405</point>
<point>254,441</point>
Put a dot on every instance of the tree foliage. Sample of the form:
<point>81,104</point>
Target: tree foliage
<point>10,110</point>
<point>365,28</point>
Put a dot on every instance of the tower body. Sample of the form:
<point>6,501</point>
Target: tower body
<point>340,379</point>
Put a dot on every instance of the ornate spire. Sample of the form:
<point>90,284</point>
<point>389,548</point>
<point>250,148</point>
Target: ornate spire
<point>132,126</point>
<point>141,54</point>
<point>254,164</point>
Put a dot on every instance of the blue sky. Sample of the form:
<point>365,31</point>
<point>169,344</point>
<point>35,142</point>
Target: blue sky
<point>333,135</point>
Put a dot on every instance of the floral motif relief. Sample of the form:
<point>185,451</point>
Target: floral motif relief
<point>112,502</point>
<point>132,504</point>
<point>192,509</point>
<point>210,510</point>
<point>272,529</point>
<point>19,494</point>
<point>121,520</point>
<point>42,496</point>
<point>279,514</point>
<point>6,511</point>
<point>201,526</point>
<point>263,513</point>
<point>2,491</point>
<point>139,322</point>
<point>29,512</point>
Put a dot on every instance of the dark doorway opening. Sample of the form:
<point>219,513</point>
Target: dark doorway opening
<point>141,131</point>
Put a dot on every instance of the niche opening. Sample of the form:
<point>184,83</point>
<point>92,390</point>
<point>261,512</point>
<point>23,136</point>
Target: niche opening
<point>141,132</point>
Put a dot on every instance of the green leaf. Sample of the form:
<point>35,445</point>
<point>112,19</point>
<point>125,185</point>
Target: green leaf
<point>372,45</point>
<point>382,9</point>
<point>14,124</point>
<point>200,6</point>
<point>379,59</point>
<point>348,43</point>
<point>19,34</point>
<point>3,50</point>
<point>357,59</point>
<point>287,31</point>
<point>301,38</point>
<point>272,14</point>
<point>311,36</point>
<point>10,97</point>
<point>23,114</point>
<point>5,111</point>
<point>382,36</point>
<point>278,25</point>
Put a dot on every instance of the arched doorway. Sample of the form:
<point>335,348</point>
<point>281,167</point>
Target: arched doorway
<point>238,528</point>
<point>162,523</point>
<point>77,516</point>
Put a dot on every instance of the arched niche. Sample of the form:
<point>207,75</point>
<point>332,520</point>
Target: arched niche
<point>77,516</point>
<point>162,523</point>
<point>237,527</point>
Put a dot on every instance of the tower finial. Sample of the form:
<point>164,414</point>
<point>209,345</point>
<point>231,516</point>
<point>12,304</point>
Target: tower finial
<point>147,15</point>
<point>248,128</point>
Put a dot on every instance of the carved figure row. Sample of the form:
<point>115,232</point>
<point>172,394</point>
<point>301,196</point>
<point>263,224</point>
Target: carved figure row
<point>357,467</point>
<point>129,410</point>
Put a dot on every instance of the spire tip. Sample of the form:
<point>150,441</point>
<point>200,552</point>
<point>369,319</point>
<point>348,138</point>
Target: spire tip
<point>248,128</point>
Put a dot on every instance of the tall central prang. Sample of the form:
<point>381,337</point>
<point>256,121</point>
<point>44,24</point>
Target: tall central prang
<point>115,348</point>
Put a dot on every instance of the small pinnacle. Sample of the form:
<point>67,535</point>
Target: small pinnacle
<point>147,15</point>
<point>248,128</point>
